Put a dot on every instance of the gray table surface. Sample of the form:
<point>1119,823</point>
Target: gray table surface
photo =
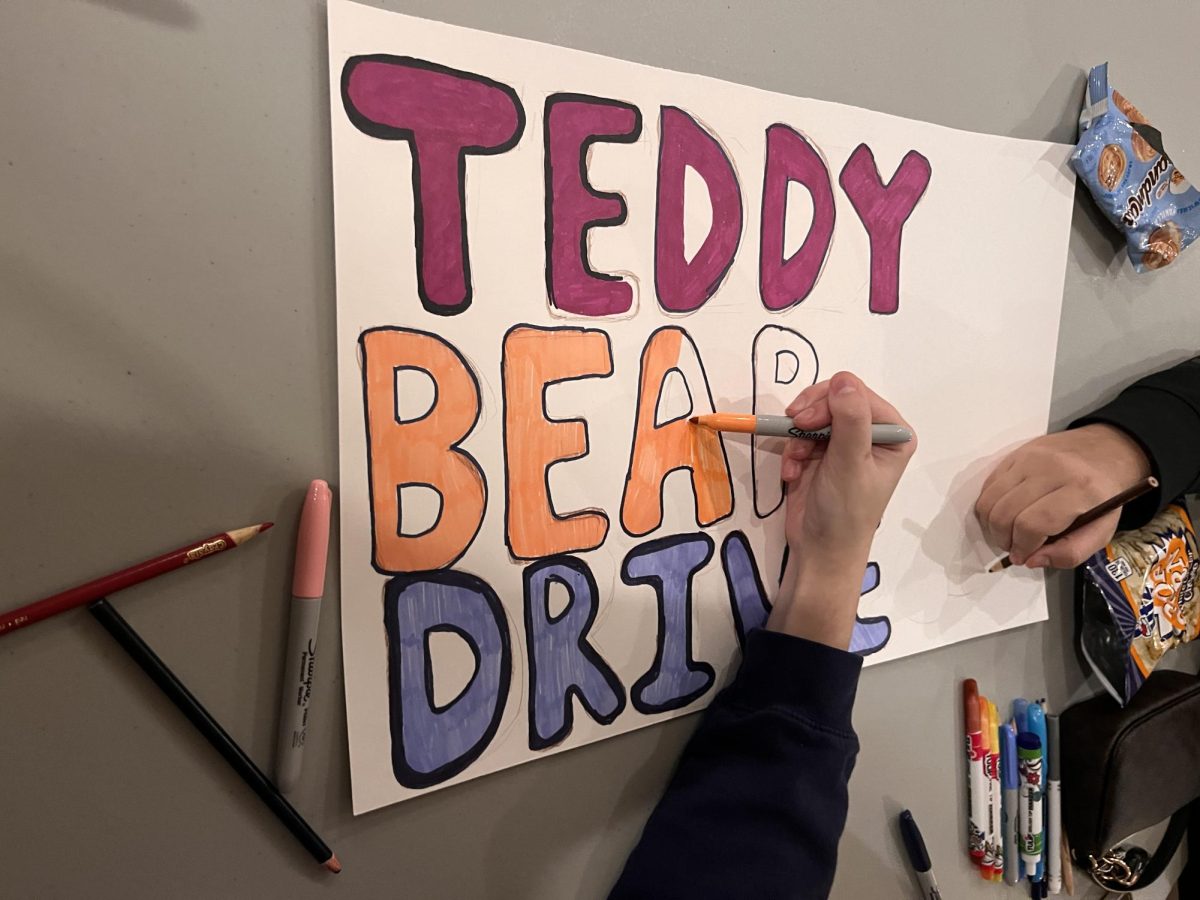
<point>167,370</point>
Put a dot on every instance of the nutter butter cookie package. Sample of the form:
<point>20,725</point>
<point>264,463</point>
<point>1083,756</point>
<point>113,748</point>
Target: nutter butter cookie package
<point>1120,158</point>
<point>1140,599</point>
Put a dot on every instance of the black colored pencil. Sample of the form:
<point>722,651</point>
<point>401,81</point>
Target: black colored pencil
<point>1145,486</point>
<point>178,694</point>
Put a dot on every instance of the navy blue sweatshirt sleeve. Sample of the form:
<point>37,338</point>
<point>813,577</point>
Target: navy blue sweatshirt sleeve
<point>1162,413</point>
<point>758,803</point>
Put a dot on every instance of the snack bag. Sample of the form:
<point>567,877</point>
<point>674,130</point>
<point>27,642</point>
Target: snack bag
<point>1147,579</point>
<point>1120,158</point>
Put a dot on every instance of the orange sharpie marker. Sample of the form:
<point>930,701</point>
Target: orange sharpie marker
<point>783,426</point>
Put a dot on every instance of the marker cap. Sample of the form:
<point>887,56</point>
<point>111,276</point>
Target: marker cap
<point>312,545</point>
<point>1008,758</point>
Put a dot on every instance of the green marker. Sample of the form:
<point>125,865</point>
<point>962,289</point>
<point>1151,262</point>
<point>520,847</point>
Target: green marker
<point>1029,758</point>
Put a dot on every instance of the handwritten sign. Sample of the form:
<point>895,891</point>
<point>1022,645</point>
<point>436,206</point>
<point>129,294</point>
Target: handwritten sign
<point>547,261</point>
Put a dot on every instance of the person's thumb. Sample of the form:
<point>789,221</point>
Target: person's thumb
<point>1077,547</point>
<point>850,417</point>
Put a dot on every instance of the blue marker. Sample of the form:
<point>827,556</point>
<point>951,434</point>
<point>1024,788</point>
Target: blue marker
<point>1037,725</point>
<point>1020,714</point>
<point>1010,785</point>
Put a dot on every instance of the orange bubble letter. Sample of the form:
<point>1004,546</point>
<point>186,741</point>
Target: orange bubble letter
<point>534,359</point>
<point>420,452</point>
<point>664,440</point>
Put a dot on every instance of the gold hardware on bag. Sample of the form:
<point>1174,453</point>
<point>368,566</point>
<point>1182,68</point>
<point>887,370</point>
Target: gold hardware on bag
<point>1119,867</point>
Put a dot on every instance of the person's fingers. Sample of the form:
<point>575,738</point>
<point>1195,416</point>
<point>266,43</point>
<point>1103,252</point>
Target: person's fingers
<point>808,396</point>
<point>850,415</point>
<point>815,415</point>
<point>1078,546</point>
<point>1049,515</point>
<point>884,413</point>
<point>1003,479</point>
<point>998,525</point>
<point>1002,473</point>
<point>799,449</point>
<point>796,454</point>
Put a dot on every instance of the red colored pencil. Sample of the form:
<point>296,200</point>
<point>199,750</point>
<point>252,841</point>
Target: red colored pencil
<point>151,568</point>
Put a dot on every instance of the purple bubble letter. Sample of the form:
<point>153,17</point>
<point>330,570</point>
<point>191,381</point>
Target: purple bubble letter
<point>444,115</point>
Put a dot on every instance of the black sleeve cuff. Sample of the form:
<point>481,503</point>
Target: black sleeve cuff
<point>1167,428</point>
<point>810,679</point>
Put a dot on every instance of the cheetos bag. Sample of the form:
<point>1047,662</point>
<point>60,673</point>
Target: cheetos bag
<point>1138,600</point>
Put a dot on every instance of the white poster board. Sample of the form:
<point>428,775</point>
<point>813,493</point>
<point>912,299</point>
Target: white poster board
<point>546,261</point>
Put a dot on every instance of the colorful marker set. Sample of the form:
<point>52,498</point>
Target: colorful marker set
<point>1014,813</point>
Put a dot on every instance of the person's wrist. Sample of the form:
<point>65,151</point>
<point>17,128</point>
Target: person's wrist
<point>1120,455</point>
<point>822,560</point>
<point>821,599</point>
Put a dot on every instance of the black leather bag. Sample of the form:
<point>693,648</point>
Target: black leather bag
<point>1124,770</point>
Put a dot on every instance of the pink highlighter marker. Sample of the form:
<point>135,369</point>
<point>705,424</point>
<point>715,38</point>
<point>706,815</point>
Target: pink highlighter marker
<point>308,584</point>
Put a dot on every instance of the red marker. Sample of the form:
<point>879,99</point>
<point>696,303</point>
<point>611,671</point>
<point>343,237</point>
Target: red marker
<point>977,791</point>
<point>118,581</point>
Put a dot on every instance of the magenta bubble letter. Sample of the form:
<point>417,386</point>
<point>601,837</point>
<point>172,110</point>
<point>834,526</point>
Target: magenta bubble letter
<point>573,122</point>
<point>444,115</point>
<point>790,157</point>
<point>683,285</point>
<point>883,209</point>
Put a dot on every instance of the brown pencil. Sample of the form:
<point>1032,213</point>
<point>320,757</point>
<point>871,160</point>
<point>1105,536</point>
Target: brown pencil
<point>1129,494</point>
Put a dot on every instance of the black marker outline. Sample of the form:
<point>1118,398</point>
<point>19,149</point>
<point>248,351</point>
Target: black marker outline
<point>754,438</point>
<point>628,137</point>
<point>445,628</point>
<point>587,440</point>
<point>453,448</point>
<point>778,354</point>
<point>400,508</point>
<point>391,133</point>
<point>762,219</point>
<point>739,537</point>
<point>633,438</point>
<point>900,231</point>
<point>404,774</point>
<point>872,620</point>
<point>655,582</point>
<point>396,370</point>
<point>658,400</point>
<point>712,289</point>
<point>589,653</point>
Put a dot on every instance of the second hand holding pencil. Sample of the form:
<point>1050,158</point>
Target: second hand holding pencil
<point>1102,509</point>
